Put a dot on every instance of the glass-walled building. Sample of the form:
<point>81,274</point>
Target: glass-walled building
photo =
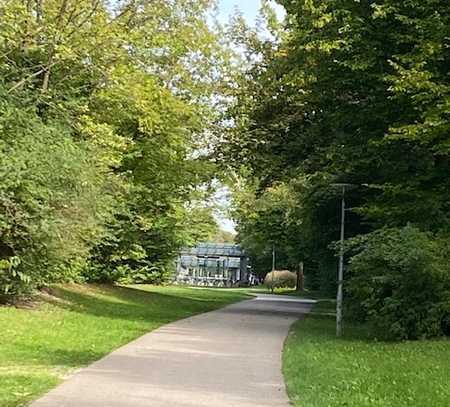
<point>213,264</point>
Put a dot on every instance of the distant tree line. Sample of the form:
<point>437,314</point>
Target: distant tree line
<point>353,92</point>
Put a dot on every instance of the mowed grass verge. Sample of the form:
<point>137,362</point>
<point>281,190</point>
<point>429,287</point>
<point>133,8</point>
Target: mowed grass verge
<point>74,325</point>
<point>323,371</point>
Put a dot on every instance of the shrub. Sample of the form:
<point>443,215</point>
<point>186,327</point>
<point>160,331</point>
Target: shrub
<point>53,202</point>
<point>123,272</point>
<point>400,283</point>
<point>280,279</point>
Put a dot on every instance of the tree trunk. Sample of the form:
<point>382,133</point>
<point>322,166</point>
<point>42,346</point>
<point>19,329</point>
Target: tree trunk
<point>300,278</point>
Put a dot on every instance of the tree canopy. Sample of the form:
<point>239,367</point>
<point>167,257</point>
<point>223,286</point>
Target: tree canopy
<point>344,92</point>
<point>103,115</point>
<point>118,117</point>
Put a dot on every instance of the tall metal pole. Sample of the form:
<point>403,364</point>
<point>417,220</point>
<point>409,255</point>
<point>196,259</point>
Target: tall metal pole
<point>339,297</point>
<point>273,267</point>
<point>273,258</point>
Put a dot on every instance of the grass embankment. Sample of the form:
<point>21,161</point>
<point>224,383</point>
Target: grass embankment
<point>76,325</point>
<point>355,371</point>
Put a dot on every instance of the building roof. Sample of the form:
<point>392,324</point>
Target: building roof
<point>215,249</point>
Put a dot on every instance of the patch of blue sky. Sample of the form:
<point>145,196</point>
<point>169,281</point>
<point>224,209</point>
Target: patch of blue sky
<point>249,9</point>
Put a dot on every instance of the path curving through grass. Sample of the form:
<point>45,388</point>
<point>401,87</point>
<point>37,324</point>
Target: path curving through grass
<point>74,325</point>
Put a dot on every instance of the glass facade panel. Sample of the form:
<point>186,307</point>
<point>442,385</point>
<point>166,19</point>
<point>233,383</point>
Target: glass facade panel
<point>212,264</point>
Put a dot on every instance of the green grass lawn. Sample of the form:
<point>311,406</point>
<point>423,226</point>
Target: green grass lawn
<point>76,325</point>
<point>323,371</point>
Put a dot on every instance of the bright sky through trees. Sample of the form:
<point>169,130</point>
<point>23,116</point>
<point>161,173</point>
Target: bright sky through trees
<point>249,8</point>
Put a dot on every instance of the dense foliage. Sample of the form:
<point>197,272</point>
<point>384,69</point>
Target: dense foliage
<point>347,92</point>
<point>103,110</point>
<point>400,282</point>
<point>108,110</point>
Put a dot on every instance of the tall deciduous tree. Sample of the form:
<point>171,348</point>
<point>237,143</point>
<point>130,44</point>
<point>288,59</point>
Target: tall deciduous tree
<point>105,107</point>
<point>354,92</point>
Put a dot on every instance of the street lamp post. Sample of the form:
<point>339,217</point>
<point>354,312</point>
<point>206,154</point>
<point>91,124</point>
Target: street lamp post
<point>273,258</point>
<point>339,298</point>
<point>340,295</point>
<point>273,266</point>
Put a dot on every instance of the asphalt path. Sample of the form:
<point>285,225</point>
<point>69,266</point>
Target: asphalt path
<point>226,358</point>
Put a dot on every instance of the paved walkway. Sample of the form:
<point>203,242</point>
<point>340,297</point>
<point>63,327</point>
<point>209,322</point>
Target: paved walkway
<point>225,358</point>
